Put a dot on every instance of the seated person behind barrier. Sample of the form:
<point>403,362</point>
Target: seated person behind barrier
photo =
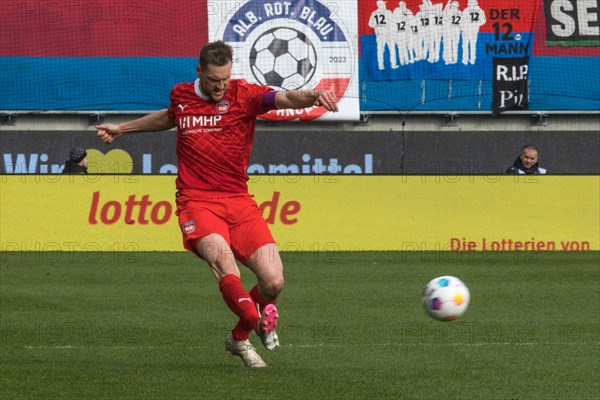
<point>77,162</point>
<point>527,162</point>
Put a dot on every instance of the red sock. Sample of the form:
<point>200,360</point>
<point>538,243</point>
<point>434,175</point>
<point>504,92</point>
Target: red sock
<point>261,301</point>
<point>241,303</point>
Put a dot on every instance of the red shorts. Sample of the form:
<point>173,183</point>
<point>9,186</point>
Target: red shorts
<point>236,217</point>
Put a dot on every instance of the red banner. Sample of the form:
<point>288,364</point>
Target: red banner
<point>98,28</point>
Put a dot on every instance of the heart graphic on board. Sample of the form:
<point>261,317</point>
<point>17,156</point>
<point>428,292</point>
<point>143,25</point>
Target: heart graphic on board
<point>115,161</point>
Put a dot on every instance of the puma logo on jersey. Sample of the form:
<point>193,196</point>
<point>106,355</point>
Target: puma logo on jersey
<point>182,106</point>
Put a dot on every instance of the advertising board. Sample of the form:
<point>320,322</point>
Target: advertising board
<point>312,213</point>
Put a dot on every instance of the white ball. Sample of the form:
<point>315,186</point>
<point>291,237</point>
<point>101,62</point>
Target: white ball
<point>446,298</point>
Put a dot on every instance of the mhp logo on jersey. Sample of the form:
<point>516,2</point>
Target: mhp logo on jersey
<point>222,107</point>
<point>291,45</point>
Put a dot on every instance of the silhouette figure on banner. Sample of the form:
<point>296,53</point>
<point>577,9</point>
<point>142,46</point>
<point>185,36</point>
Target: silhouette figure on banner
<point>406,29</point>
<point>382,21</point>
<point>473,17</point>
<point>451,32</point>
<point>434,33</point>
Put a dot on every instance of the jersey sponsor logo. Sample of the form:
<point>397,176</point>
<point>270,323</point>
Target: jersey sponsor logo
<point>293,45</point>
<point>194,121</point>
<point>188,227</point>
<point>222,107</point>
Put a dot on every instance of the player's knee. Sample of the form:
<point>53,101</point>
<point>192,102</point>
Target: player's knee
<point>273,287</point>
<point>278,285</point>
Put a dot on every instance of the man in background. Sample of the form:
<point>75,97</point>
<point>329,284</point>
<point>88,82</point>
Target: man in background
<point>527,162</point>
<point>77,162</point>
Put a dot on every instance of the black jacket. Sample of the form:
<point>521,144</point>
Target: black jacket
<point>519,169</point>
<point>74,168</point>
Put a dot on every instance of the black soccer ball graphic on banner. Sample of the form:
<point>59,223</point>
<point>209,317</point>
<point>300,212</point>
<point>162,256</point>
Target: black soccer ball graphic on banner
<point>283,58</point>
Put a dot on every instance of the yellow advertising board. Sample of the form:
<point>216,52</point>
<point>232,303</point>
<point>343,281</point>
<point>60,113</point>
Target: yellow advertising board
<point>312,213</point>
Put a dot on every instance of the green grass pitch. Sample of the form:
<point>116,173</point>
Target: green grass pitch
<point>153,325</point>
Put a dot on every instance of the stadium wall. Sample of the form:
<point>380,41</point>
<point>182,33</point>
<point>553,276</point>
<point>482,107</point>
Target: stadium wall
<point>127,213</point>
<point>414,145</point>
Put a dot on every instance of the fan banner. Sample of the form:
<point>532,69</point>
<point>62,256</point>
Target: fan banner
<point>97,54</point>
<point>572,23</point>
<point>420,39</point>
<point>428,55</point>
<point>511,90</point>
<point>412,55</point>
<point>289,45</point>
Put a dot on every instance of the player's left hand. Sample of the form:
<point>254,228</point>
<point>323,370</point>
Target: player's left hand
<point>327,99</point>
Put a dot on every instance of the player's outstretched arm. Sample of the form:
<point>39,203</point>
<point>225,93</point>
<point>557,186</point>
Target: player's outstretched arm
<point>297,99</point>
<point>153,122</point>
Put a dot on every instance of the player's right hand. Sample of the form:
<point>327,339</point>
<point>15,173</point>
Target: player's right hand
<point>327,99</point>
<point>108,133</point>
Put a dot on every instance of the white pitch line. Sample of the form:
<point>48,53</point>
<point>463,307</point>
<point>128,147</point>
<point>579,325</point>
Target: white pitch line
<point>326,345</point>
<point>474,344</point>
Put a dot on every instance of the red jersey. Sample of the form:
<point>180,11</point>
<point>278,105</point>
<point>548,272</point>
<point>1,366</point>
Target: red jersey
<point>214,139</point>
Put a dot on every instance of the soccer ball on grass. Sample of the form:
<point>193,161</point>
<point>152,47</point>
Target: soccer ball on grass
<point>446,298</point>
